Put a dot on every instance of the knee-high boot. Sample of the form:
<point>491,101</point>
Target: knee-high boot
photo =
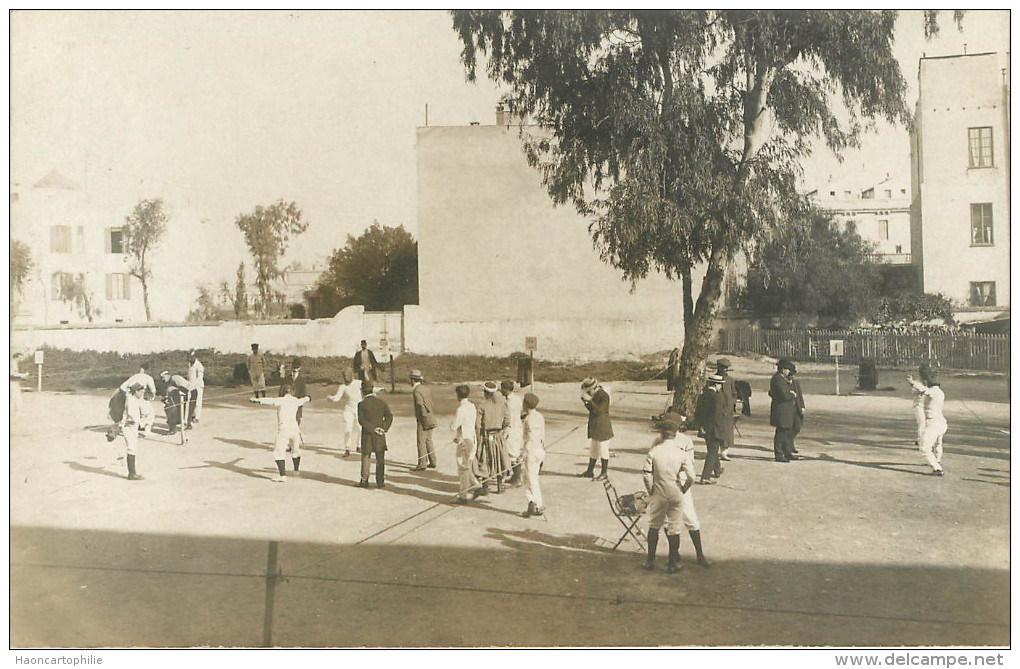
<point>696,539</point>
<point>653,543</point>
<point>674,553</point>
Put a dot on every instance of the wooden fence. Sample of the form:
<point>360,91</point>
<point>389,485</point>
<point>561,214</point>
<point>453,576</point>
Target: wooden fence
<point>886,349</point>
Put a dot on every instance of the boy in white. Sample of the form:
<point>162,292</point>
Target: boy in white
<point>668,473</point>
<point>129,426</point>
<point>515,435</point>
<point>533,454</point>
<point>349,396</point>
<point>463,427</point>
<point>196,379</point>
<point>288,436</point>
<point>142,378</point>
<point>935,425</point>
<point>923,371</point>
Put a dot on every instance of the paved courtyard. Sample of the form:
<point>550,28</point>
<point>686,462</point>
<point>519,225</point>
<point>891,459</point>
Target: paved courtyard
<point>852,545</point>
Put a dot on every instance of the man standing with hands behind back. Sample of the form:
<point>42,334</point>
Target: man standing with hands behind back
<point>375,419</point>
<point>424,416</point>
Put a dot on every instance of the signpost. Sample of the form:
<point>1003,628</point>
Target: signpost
<point>531,345</point>
<point>836,351</point>
<point>39,363</point>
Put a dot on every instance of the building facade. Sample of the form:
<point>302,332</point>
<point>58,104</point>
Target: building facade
<point>79,270</point>
<point>880,213</point>
<point>960,180</point>
<point>498,262</point>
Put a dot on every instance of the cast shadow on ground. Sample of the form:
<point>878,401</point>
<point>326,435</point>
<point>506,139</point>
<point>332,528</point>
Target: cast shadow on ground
<point>232,466</point>
<point>536,540</point>
<point>79,467</point>
<point>888,466</point>
<point>425,482</point>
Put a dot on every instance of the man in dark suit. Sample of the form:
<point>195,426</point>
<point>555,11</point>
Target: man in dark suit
<point>297,383</point>
<point>424,415</point>
<point>375,419</point>
<point>715,418</point>
<point>729,393</point>
<point>783,411</point>
<point>364,363</point>
<point>600,427</point>
<point>798,417</point>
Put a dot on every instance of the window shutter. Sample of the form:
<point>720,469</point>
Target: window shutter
<point>109,286</point>
<point>106,239</point>
<point>127,286</point>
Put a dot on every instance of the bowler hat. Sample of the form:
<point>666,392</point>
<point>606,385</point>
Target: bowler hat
<point>295,363</point>
<point>785,364</point>
<point>366,387</point>
<point>506,385</point>
<point>723,363</point>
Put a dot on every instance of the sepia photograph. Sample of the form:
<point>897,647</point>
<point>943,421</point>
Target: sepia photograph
<point>510,329</point>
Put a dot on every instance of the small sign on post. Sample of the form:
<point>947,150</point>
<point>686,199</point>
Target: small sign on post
<point>836,351</point>
<point>531,345</point>
<point>39,363</point>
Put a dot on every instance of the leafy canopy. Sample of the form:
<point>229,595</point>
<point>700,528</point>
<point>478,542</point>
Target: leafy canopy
<point>267,231</point>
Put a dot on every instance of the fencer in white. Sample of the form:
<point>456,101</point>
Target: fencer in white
<point>935,425</point>
<point>288,435</point>
<point>348,394</point>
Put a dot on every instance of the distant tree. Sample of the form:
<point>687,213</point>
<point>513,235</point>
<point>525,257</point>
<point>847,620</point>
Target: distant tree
<point>813,270</point>
<point>267,230</point>
<point>907,309</point>
<point>142,231</point>
<point>74,290</point>
<point>378,269</point>
<point>206,307</point>
<point>236,297</point>
<point>21,265</point>
<point>679,134</point>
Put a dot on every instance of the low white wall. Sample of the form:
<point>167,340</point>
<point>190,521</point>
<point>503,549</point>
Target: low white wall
<point>324,337</point>
<point>558,339</point>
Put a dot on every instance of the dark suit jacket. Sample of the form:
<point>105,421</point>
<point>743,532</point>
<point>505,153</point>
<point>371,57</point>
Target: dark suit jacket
<point>424,410</point>
<point>784,404</point>
<point>600,428</point>
<point>373,413</point>
<point>371,360</point>
<point>714,415</point>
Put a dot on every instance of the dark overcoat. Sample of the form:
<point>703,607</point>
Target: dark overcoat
<point>784,401</point>
<point>600,428</point>
<point>373,413</point>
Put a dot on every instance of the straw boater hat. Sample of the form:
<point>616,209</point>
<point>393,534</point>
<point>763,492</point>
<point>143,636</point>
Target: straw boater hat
<point>716,378</point>
<point>589,383</point>
<point>490,387</point>
<point>416,374</point>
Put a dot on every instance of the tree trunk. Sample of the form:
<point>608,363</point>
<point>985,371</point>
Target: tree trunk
<point>698,333</point>
<point>145,299</point>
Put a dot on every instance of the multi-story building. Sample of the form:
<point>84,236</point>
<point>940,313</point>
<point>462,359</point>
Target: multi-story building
<point>880,213</point>
<point>960,179</point>
<point>79,270</point>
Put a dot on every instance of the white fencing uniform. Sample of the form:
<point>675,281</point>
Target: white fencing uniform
<point>935,425</point>
<point>288,435</point>
<point>349,397</point>
<point>534,454</point>
<point>515,435</point>
<point>196,379</point>
<point>148,414</point>
<point>463,427</point>
<point>131,421</point>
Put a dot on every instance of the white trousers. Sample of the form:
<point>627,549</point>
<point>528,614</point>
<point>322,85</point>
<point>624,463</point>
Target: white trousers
<point>931,442</point>
<point>350,432</point>
<point>147,415</point>
<point>288,438</point>
<point>130,434</point>
<point>532,464</point>
<point>919,418</point>
<point>599,449</point>
<point>466,466</point>
<point>15,397</point>
<point>673,513</point>
<point>200,391</point>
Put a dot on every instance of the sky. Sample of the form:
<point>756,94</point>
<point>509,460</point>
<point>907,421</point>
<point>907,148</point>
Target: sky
<point>217,112</point>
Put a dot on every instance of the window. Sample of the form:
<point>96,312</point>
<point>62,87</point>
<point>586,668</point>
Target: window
<point>118,286</point>
<point>60,239</point>
<point>979,142</point>
<point>847,193</point>
<point>832,193</point>
<point>80,240</point>
<point>903,191</point>
<point>899,248</point>
<point>981,224</point>
<point>888,194</point>
<point>883,228</point>
<point>115,240</point>
<point>982,293</point>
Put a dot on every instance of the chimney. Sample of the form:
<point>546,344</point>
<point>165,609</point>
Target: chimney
<point>502,118</point>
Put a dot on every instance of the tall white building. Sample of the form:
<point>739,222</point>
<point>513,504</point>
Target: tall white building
<point>880,212</point>
<point>960,180</point>
<point>75,249</point>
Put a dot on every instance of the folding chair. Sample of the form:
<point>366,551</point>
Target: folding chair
<point>627,515</point>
